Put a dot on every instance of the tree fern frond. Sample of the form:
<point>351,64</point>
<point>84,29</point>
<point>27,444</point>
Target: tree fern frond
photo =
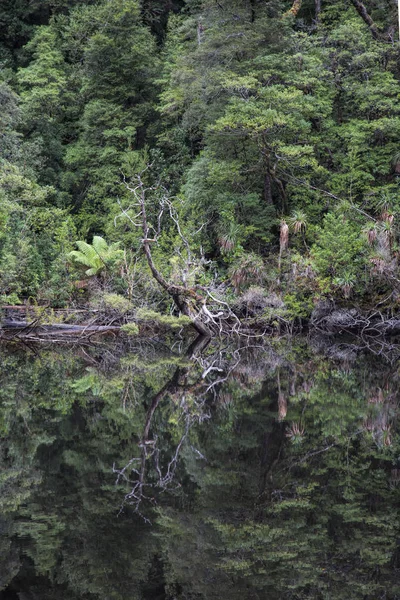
<point>100,245</point>
<point>87,256</point>
<point>80,257</point>
<point>115,246</point>
<point>94,260</point>
<point>89,251</point>
<point>97,256</point>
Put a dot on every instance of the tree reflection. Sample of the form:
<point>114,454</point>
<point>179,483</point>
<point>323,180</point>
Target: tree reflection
<point>242,472</point>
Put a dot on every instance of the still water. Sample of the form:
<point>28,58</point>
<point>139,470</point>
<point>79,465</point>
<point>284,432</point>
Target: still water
<point>217,472</point>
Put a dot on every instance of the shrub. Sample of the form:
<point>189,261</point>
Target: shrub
<point>130,329</point>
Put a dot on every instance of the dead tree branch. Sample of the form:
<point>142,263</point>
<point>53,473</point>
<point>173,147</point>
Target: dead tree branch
<point>190,300</point>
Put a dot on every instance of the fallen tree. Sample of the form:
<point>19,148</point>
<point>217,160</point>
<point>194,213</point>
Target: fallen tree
<point>36,332</point>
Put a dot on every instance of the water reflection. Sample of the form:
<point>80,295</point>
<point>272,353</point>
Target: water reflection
<point>207,472</point>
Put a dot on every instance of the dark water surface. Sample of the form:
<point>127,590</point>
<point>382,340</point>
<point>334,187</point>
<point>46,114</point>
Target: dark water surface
<point>202,473</point>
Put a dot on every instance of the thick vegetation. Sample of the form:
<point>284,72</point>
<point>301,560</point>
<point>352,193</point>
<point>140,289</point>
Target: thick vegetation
<point>264,136</point>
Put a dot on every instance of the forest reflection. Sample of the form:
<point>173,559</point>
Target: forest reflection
<point>203,472</point>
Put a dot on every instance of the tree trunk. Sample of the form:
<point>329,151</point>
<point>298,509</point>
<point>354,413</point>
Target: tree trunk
<point>200,33</point>
<point>398,10</point>
<point>268,189</point>
<point>180,295</point>
<point>362,11</point>
<point>282,192</point>
<point>253,11</point>
<point>317,10</point>
<point>176,293</point>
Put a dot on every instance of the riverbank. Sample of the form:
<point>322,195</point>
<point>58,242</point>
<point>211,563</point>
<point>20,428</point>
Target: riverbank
<point>85,324</point>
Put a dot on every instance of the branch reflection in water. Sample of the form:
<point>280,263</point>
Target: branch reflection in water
<point>243,472</point>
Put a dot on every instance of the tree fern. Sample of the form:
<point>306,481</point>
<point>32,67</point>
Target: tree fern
<point>98,256</point>
<point>100,245</point>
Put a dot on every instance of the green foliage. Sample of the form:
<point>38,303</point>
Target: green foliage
<point>245,114</point>
<point>98,256</point>
<point>43,88</point>
<point>339,255</point>
<point>9,117</point>
<point>116,302</point>
<point>298,305</point>
<point>130,329</point>
<point>115,63</point>
<point>33,239</point>
<point>169,321</point>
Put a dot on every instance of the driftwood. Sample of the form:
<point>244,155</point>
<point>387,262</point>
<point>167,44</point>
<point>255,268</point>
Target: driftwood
<point>57,327</point>
<point>37,331</point>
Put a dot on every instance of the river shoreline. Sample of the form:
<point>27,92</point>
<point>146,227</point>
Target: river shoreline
<point>56,324</point>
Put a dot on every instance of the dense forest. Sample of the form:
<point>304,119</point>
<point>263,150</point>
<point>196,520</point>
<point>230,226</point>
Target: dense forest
<point>157,153</point>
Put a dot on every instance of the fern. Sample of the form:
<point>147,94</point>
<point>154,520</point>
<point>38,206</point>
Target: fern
<point>100,245</point>
<point>98,256</point>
